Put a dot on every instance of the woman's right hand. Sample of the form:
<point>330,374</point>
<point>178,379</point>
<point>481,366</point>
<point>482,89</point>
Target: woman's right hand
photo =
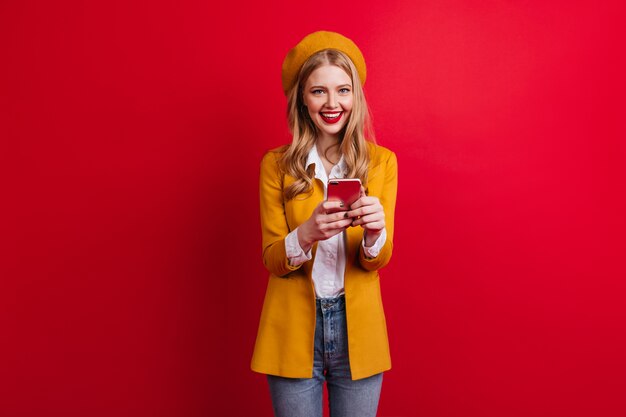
<point>323,225</point>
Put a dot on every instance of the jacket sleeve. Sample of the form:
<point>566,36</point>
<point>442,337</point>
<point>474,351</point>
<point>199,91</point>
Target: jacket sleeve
<point>274,226</point>
<point>388,201</point>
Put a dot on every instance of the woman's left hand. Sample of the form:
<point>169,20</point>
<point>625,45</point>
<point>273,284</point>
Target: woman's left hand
<point>368,213</point>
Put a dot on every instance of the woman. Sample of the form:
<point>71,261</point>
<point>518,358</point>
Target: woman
<point>322,318</point>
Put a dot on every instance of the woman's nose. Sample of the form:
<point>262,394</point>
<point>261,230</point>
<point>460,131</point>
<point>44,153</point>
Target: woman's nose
<point>331,101</point>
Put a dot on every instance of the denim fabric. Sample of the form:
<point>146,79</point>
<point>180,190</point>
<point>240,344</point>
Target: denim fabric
<point>302,397</point>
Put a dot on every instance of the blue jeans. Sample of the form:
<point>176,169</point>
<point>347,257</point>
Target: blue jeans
<point>302,397</point>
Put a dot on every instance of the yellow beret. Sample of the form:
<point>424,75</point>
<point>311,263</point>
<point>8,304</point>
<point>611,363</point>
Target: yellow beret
<point>315,42</point>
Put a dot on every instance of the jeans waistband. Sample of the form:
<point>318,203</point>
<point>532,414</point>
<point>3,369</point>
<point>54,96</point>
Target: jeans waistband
<point>335,304</point>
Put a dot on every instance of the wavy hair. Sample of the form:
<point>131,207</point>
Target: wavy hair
<point>352,138</point>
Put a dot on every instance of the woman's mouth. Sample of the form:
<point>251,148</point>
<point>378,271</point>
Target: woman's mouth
<point>331,117</point>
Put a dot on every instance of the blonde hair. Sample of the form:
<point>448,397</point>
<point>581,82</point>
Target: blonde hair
<point>352,138</point>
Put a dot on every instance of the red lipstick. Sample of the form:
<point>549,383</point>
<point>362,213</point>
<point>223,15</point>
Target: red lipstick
<point>335,116</point>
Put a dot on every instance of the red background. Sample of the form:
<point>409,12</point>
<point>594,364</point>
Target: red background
<point>131,275</point>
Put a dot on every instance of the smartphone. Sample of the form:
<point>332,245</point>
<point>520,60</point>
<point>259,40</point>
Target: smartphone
<point>346,190</point>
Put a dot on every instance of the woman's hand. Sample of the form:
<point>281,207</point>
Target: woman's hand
<point>368,213</point>
<point>323,225</point>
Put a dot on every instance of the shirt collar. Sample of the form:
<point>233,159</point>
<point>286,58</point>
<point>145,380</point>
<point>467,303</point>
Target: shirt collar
<point>338,171</point>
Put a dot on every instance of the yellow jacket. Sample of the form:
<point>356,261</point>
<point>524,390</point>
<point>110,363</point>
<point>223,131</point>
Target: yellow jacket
<point>285,339</point>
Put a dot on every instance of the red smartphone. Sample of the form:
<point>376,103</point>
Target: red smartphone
<point>346,190</point>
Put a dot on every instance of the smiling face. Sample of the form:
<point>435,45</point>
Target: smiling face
<point>327,94</point>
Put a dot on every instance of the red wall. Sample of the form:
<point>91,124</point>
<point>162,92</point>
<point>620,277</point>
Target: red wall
<point>131,136</point>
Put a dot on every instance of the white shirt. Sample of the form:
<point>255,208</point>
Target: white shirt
<point>330,258</point>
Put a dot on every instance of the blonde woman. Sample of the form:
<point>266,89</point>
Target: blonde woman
<point>322,319</point>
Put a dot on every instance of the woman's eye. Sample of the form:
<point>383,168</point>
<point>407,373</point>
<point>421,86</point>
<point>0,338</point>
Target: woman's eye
<point>344,90</point>
<point>318,92</point>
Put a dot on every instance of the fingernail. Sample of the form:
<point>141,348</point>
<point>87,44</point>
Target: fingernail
<point>341,204</point>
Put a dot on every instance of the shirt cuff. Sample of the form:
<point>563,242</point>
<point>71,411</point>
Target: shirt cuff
<point>374,250</point>
<point>295,254</point>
